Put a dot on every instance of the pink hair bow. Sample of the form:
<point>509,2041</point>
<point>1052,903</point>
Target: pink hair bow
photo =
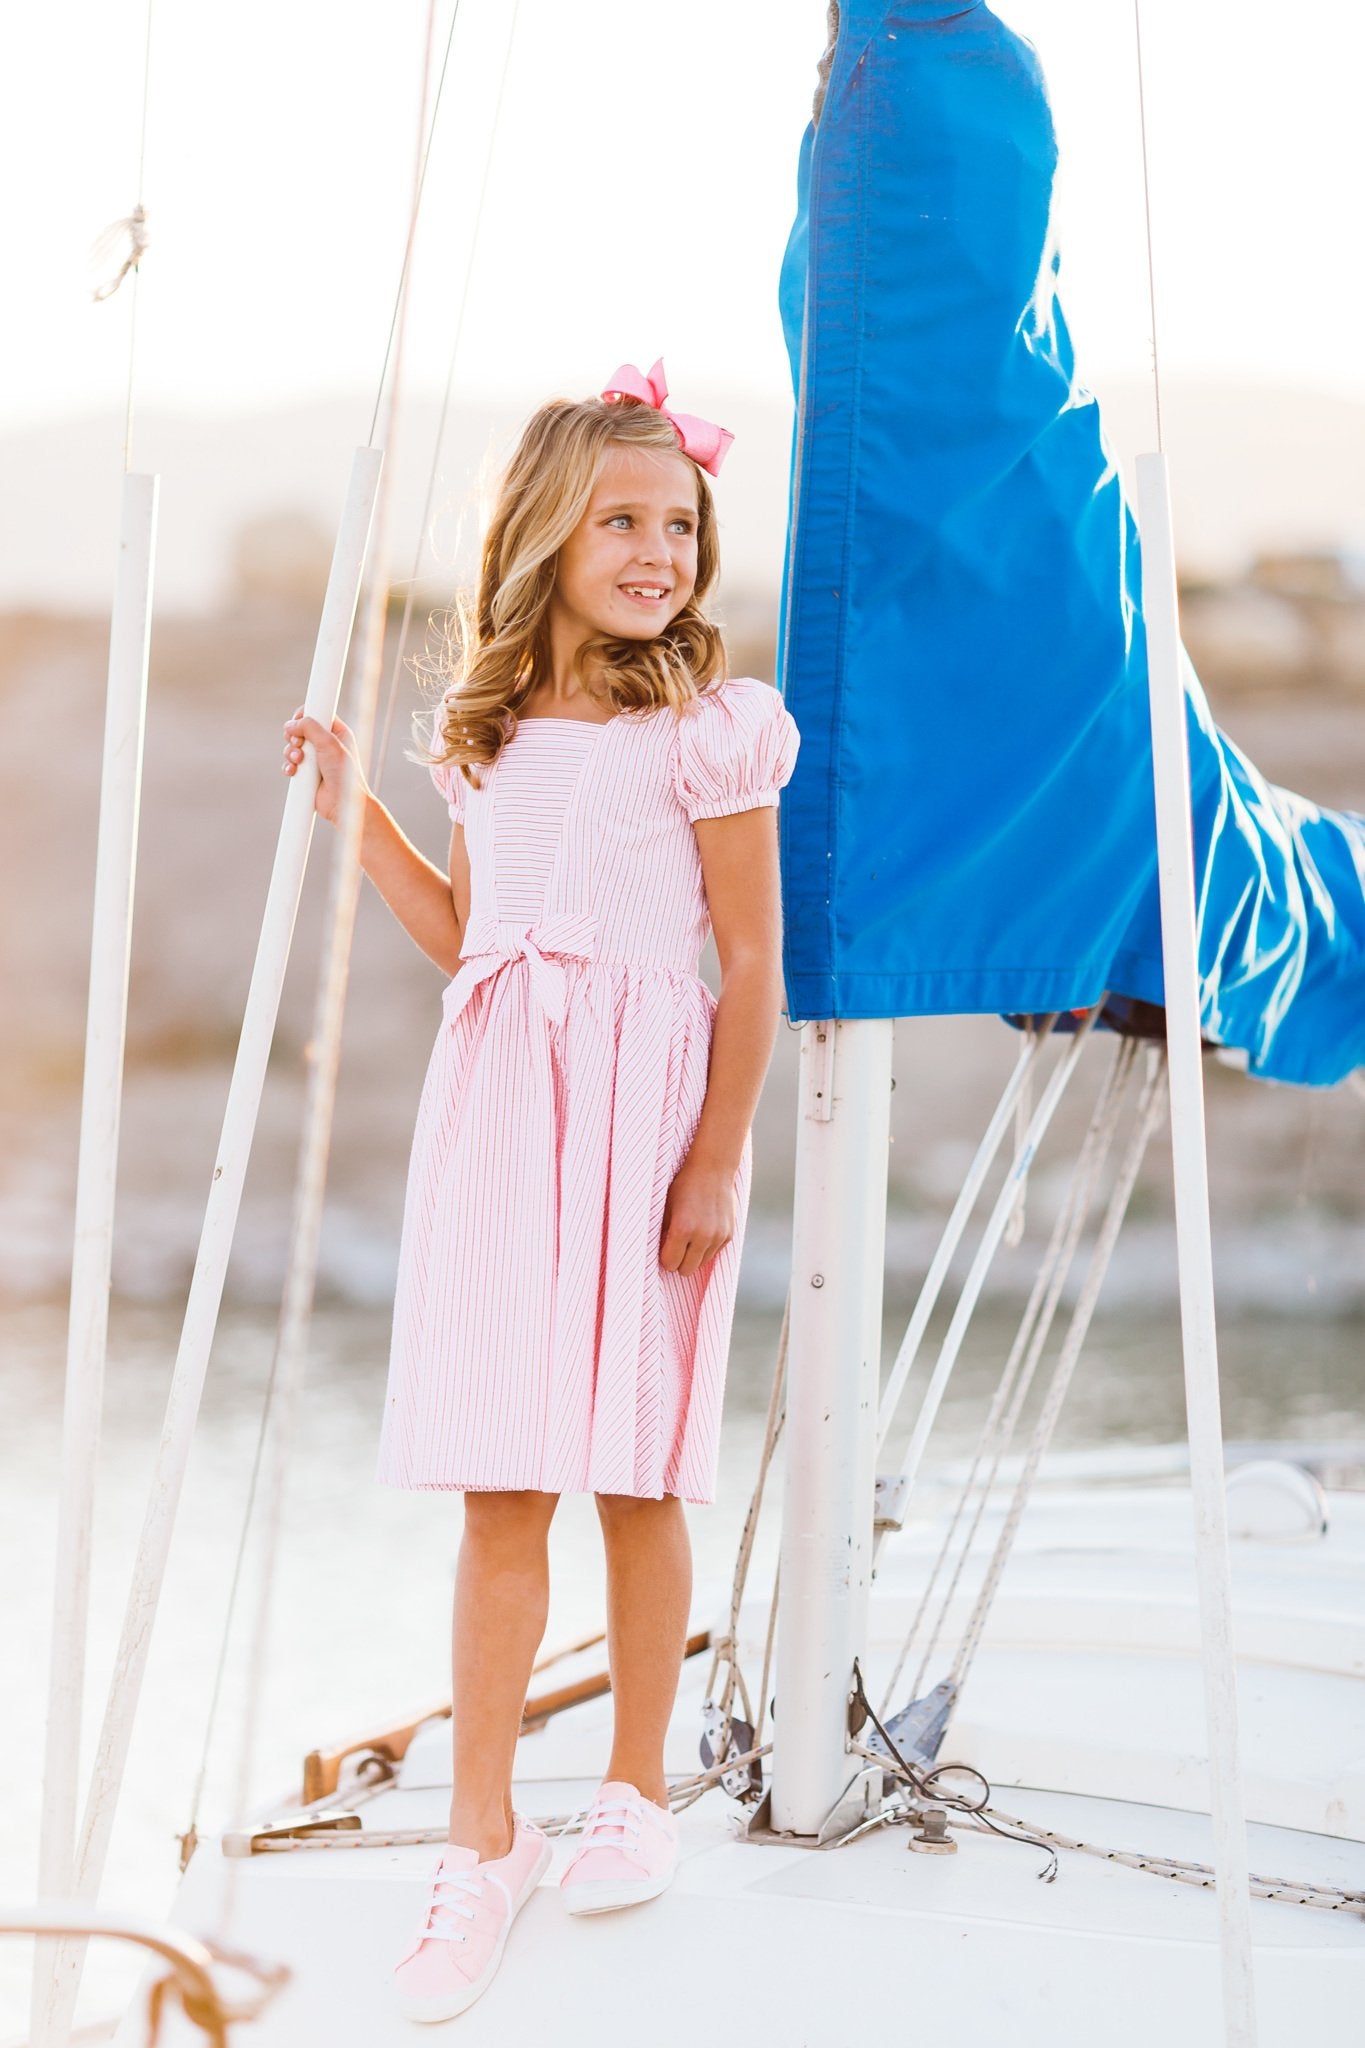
<point>705,443</point>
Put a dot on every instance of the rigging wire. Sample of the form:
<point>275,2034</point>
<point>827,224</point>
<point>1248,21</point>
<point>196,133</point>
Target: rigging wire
<point>997,1430</point>
<point>400,293</point>
<point>381,752</point>
<point>189,1837</point>
<point>1150,1107</point>
<point>1147,219</point>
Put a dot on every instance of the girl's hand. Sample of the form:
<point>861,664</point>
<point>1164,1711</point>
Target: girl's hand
<point>699,1217</point>
<point>337,760</point>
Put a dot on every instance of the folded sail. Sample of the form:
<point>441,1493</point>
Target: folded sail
<point>970,826</point>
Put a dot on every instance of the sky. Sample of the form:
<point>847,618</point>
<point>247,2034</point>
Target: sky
<point>639,191</point>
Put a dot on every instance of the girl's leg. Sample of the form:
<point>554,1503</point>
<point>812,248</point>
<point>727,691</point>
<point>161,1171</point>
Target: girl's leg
<point>649,1597</point>
<point>502,1594</point>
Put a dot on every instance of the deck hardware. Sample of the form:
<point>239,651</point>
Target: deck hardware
<point>726,1737</point>
<point>931,1837</point>
<point>328,1820</point>
<point>370,1767</point>
<point>918,1729</point>
<point>889,1501</point>
<point>818,1047</point>
<point>858,1801</point>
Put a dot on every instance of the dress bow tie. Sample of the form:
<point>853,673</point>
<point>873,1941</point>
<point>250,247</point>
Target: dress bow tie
<point>705,443</point>
<point>494,944</point>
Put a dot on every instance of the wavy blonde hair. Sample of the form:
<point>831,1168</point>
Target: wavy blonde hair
<point>490,650</point>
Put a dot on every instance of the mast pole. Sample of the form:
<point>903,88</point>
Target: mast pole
<point>1179,947</point>
<point>833,1361</point>
<point>220,1219</point>
<point>125,717</point>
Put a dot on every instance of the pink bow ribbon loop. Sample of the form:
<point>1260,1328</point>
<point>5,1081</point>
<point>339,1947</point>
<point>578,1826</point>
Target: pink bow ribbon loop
<point>492,944</point>
<point>705,442</point>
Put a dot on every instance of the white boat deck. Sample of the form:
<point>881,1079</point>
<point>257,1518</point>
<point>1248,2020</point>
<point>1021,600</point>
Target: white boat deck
<point>1087,1679</point>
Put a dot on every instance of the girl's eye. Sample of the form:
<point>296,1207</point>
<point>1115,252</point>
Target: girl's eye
<point>682,526</point>
<point>619,519</point>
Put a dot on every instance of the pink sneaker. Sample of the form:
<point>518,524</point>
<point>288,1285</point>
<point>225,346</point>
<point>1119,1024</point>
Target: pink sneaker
<point>628,1853</point>
<point>469,1913</point>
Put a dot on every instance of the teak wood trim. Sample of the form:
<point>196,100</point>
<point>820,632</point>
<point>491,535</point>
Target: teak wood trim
<point>322,1767</point>
<point>540,1706</point>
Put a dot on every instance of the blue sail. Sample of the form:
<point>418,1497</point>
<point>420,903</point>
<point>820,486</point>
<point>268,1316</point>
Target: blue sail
<point>970,826</point>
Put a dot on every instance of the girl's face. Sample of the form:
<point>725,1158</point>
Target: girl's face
<point>630,565</point>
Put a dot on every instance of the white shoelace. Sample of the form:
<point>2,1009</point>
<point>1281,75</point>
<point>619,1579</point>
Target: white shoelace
<point>618,1821</point>
<point>469,1884</point>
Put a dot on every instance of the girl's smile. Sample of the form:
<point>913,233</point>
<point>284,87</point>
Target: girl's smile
<point>650,595</point>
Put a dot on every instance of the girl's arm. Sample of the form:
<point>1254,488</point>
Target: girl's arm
<point>431,907</point>
<point>743,891</point>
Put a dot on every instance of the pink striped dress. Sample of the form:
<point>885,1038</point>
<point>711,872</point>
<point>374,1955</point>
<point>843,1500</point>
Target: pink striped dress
<point>537,1342</point>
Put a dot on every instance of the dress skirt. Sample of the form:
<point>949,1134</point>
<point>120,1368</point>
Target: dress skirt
<point>538,1343</point>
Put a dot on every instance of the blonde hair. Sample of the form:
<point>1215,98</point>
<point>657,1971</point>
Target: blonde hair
<point>491,649</point>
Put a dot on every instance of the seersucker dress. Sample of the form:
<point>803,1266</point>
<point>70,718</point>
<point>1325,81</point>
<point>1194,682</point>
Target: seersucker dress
<point>538,1343</point>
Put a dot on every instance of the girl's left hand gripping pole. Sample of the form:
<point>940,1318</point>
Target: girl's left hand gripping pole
<point>220,1222</point>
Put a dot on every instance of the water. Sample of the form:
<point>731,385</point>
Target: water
<point>361,1598</point>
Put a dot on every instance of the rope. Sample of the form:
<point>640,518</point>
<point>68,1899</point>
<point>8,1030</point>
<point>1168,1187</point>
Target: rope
<point>927,1785</point>
<point>769,1645</point>
<point>1148,1111</point>
<point>1021,1364</point>
<point>1288,1891</point>
<point>424,525</point>
<point>684,1794</point>
<point>928,1789</point>
<point>727,1648</point>
<point>1291,1890</point>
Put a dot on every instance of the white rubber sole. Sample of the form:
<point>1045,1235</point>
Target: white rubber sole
<point>453,2003</point>
<point>596,1895</point>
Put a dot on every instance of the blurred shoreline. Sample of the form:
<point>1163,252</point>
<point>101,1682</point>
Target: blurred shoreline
<point>1288,1192</point>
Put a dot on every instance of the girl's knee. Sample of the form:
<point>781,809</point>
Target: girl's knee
<point>508,1517</point>
<point>616,1509</point>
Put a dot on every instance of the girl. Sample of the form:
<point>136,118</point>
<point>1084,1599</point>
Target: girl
<point>580,1172</point>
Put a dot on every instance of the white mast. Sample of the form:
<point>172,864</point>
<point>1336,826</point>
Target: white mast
<point>833,1363</point>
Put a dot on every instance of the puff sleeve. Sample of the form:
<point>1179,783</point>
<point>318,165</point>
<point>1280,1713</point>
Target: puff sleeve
<point>446,774</point>
<point>736,749</point>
